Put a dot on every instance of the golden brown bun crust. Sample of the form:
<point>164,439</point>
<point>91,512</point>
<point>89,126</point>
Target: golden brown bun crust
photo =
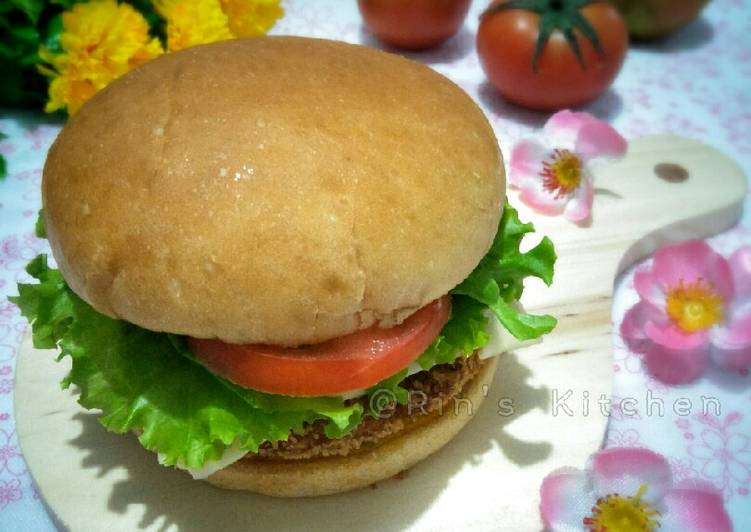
<point>309,478</point>
<point>278,190</point>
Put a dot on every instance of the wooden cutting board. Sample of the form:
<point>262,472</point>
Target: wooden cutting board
<point>488,477</point>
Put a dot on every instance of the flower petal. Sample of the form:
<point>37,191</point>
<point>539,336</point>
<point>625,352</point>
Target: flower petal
<point>713,468</point>
<point>743,458</point>
<point>635,321</point>
<point>565,499</point>
<point>533,194</point>
<point>690,261</point>
<point>526,162</point>
<point>579,207</point>
<point>740,265</point>
<point>632,326</point>
<point>731,344</point>
<point>562,129</point>
<point>733,360</point>
<point>675,366</point>
<point>736,443</point>
<point>670,354</point>
<point>694,507</point>
<point>712,440</point>
<point>623,470</point>
<point>673,337</point>
<point>648,289</point>
<point>599,139</point>
<point>735,335</point>
<point>701,451</point>
<point>738,469</point>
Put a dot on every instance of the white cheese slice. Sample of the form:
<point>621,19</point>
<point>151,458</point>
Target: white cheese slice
<point>231,455</point>
<point>499,342</point>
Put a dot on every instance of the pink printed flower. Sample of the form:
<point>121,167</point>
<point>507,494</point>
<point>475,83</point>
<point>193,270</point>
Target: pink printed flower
<point>683,469</point>
<point>723,453</point>
<point>10,491</point>
<point>724,456</point>
<point>629,490</point>
<point>7,310</point>
<point>555,178</point>
<point>694,306</point>
<point>11,460</point>
<point>627,438</point>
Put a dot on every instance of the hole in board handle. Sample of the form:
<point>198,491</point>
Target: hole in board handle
<point>671,172</point>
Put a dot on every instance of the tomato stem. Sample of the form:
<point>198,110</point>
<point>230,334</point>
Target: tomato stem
<point>562,15</point>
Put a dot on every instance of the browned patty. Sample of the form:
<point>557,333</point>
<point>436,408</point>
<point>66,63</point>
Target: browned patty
<point>430,393</point>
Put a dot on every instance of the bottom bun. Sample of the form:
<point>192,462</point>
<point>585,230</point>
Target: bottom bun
<point>325,476</point>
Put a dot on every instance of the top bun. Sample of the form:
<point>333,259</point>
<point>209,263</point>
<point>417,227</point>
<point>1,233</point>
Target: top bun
<point>275,190</point>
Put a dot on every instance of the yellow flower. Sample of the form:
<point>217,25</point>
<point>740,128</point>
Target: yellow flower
<point>250,18</point>
<point>100,42</point>
<point>192,22</point>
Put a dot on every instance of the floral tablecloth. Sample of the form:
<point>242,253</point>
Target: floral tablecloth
<point>695,84</point>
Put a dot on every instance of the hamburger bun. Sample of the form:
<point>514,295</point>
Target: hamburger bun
<point>275,190</point>
<point>325,476</point>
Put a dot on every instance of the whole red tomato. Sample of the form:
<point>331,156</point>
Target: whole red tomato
<point>413,24</point>
<point>546,72</point>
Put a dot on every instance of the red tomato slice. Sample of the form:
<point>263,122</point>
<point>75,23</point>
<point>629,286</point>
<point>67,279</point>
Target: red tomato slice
<point>343,364</point>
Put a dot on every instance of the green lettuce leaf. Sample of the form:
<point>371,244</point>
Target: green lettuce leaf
<point>498,281</point>
<point>386,394</point>
<point>149,383</point>
<point>141,382</point>
<point>496,284</point>
<point>39,230</point>
<point>462,335</point>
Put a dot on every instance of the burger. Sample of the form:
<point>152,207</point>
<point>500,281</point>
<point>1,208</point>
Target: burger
<point>279,260</point>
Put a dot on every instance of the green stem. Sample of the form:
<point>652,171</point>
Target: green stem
<point>562,15</point>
